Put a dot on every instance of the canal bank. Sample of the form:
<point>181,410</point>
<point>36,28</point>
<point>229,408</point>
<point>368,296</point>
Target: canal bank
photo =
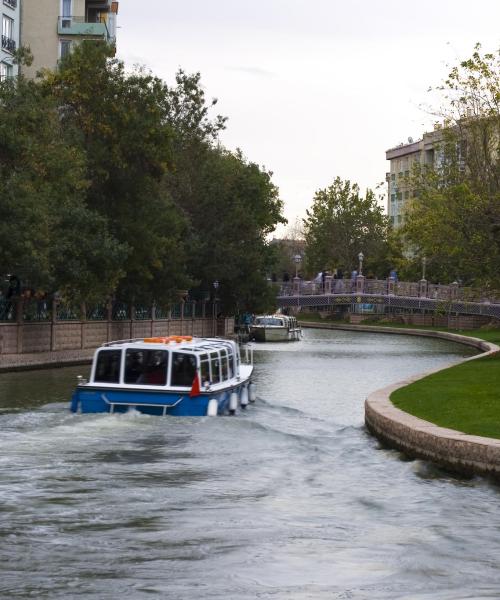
<point>455,450</point>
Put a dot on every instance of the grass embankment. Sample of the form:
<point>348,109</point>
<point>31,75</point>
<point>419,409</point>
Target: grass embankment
<point>465,397</point>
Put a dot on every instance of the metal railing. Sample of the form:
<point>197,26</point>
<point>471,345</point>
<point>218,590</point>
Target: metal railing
<point>385,287</point>
<point>419,296</point>
<point>8,44</point>
<point>31,309</point>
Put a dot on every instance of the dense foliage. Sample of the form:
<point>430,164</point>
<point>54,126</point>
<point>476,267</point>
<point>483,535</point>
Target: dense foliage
<point>114,183</point>
<point>340,224</point>
<point>454,221</point>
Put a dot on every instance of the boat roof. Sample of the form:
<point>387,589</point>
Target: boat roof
<point>275,316</point>
<point>174,342</point>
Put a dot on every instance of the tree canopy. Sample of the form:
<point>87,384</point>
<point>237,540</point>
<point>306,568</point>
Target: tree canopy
<point>115,183</point>
<point>454,220</point>
<point>340,224</point>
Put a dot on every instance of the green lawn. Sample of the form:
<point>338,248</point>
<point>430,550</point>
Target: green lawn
<point>465,397</point>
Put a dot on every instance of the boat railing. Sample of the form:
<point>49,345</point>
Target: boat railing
<point>128,341</point>
<point>164,407</point>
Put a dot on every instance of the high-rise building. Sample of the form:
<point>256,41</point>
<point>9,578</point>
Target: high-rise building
<point>403,159</point>
<point>51,27</point>
<point>10,10</point>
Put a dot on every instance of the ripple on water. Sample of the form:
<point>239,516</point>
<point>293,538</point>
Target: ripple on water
<point>290,499</point>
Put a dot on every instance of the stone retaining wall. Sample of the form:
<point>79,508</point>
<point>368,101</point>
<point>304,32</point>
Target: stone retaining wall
<point>468,454</point>
<point>24,338</point>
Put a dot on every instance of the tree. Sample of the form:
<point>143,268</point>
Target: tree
<point>119,121</point>
<point>42,201</point>
<point>472,119</point>
<point>340,224</point>
<point>454,221</point>
<point>236,207</point>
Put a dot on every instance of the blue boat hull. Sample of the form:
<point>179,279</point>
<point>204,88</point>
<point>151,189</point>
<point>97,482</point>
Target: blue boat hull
<point>108,400</point>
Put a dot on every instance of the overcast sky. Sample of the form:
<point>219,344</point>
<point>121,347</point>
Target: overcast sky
<point>313,89</point>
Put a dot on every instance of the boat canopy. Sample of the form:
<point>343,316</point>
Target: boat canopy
<point>166,362</point>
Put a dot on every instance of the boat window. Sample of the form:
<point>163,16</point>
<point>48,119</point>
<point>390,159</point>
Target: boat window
<point>183,369</point>
<point>223,363</point>
<point>269,321</point>
<point>204,369</point>
<point>108,366</point>
<point>146,367</point>
<point>215,364</point>
<point>230,364</point>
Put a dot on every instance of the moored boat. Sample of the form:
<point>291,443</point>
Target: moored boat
<point>275,328</point>
<point>177,375</point>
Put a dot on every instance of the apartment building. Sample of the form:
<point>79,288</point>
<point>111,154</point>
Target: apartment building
<point>10,37</point>
<point>403,159</point>
<point>51,27</point>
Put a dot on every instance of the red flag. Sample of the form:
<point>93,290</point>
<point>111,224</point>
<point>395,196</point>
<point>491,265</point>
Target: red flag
<point>195,388</point>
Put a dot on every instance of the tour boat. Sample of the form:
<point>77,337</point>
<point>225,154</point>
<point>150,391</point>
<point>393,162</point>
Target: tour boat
<point>275,328</point>
<point>177,375</point>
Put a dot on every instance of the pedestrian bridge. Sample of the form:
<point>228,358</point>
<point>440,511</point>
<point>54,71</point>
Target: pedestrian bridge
<point>387,295</point>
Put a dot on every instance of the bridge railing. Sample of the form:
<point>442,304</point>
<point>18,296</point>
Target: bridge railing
<point>385,287</point>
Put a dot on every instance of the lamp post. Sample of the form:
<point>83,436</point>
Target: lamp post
<point>361,257</point>
<point>297,259</point>
<point>216,286</point>
<point>423,287</point>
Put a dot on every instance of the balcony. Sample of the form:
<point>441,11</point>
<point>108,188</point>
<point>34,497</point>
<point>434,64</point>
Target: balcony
<point>79,26</point>
<point>8,44</point>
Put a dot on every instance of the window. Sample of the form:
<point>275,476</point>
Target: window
<point>183,369</point>
<point>393,197</point>
<point>215,367</point>
<point>66,8</point>
<point>11,3</point>
<point>65,48</point>
<point>393,176</point>
<point>400,195</point>
<point>204,369</point>
<point>5,71</point>
<point>407,195</point>
<point>224,365</point>
<point>7,27</point>
<point>108,366</point>
<point>8,43</point>
<point>146,367</point>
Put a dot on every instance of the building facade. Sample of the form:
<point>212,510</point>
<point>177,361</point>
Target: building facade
<point>51,27</point>
<point>425,152</point>
<point>10,37</point>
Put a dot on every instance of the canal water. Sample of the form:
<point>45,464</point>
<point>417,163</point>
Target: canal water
<point>290,499</point>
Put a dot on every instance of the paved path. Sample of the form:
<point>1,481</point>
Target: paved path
<point>44,360</point>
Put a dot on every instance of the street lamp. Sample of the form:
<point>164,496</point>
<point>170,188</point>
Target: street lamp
<point>297,260</point>
<point>214,306</point>
<point>361,257</point>
<point>424,264</point>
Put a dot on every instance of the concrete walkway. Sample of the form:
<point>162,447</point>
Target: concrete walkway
<point>44,360</point>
